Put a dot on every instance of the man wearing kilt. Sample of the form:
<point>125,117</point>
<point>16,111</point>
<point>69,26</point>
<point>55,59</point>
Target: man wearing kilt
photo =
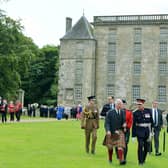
<point>114,126</point>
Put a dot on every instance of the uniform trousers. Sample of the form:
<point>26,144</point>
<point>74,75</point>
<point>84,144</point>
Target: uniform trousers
<point>142,149</point>
<point>88,133</point>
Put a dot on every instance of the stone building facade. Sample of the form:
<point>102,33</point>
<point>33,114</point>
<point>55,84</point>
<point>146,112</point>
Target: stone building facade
<point>125,56</point>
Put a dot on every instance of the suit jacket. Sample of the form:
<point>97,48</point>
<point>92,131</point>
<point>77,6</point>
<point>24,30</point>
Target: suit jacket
<point>114,121</point>
<point>105,109</point>
<point>160,119</point>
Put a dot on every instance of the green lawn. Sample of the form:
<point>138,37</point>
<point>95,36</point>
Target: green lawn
<point>60,144</point>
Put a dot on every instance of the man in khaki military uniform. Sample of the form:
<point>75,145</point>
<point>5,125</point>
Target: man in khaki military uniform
<point>90,122</point>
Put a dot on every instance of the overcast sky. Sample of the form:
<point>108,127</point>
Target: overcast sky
<point>44,20</point>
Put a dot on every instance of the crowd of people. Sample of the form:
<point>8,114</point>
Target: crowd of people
<point>13,108</point>
<point>145,123</point>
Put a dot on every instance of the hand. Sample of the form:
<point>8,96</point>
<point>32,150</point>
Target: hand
<point>117,132</point>
<point>133,139</point>
<point>108,133</point>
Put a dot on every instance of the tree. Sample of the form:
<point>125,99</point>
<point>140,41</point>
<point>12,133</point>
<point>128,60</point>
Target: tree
<point>42,81</point>
<point>16,52</point>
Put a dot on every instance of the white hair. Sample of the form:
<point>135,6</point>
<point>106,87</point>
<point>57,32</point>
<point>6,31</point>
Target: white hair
<point>118,101</point>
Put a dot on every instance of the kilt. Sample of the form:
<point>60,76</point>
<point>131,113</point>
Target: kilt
<point>114,141</point>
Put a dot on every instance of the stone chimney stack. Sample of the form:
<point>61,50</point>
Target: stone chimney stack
<point>68,23</point>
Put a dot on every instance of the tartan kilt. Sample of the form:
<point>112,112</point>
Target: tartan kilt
<point>112,141</point>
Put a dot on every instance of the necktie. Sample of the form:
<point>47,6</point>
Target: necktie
<point>156,117</point>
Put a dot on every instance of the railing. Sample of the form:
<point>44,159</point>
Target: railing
<point>130,18</point>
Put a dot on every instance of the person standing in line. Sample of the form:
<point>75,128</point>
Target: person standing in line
<point>11,108</point>
<point>129,122</point>
<point>18,110</point>
<point>110,105</point>
<point>79,110</point>
<point>115,125</point>
<point>157,125</point>
<point>142,123</point>
<point>90,123</point>
<point>4,110</point>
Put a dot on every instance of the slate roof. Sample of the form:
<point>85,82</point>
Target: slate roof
<point>81,30</point>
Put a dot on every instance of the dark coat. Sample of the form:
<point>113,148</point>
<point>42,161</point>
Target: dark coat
<point>114,121</point>
<point>160,119</point>
<point>105,109</point>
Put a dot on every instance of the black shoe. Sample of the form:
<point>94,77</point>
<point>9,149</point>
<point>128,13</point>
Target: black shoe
<point>92,152</point>
<point>110,161</point>
<point>158,154</point>
<point>123,162</point>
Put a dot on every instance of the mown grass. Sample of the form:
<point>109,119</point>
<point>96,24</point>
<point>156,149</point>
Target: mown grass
<point>60,144</point>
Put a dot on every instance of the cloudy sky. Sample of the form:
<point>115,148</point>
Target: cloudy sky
<point>44,20</point>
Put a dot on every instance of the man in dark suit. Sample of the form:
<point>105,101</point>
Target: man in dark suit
<point>110,105</point>
<point>114,125</point>
<point>158,124</point>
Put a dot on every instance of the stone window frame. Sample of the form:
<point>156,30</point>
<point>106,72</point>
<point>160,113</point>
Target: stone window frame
<point>136,68</point>
<point>162,68</point>
<point>78,92</point>
<point>163,33</point>
<point>162,93</point>
<point>137,34</point>
<point>137,49</point>
<point>111,67</point>
<point>135,92</point>
<point>110,90</point>
<point>163,49</point>
<point>111,50</point>
<point>78,71</point>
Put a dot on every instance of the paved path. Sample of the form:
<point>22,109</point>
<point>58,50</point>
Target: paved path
<point>28,120</point>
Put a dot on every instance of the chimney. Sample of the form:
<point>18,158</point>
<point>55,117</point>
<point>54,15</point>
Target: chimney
<point>68,23</point>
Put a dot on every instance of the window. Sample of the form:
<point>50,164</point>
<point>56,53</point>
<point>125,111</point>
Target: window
<point>111,68</point>
<point>135,92</point>
<point>163,33</point>
<point>111,50</point>
<point>163,49</point>
<point>162,93</point>
<point>137,49</point>
<point>137,68</point>
<point>79,53</point>
<point>78,92</point>
<point>78,72</point>
<point>79,50</point>
<point>112,35</point>
<point>137,34</point>
<point>110,90</point>
<point>163,68</point>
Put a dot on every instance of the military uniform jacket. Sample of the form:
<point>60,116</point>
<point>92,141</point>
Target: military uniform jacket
<point>140,118</point>
<point>90,117</point>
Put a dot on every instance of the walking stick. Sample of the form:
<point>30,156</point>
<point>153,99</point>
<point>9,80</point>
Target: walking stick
<point>164,140</point>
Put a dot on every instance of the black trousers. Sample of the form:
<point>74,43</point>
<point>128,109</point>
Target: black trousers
<point>142,149</point>
<point>4,118</point>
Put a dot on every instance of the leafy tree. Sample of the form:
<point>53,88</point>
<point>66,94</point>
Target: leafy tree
<point>16,52</point>
<point>42,80</point>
